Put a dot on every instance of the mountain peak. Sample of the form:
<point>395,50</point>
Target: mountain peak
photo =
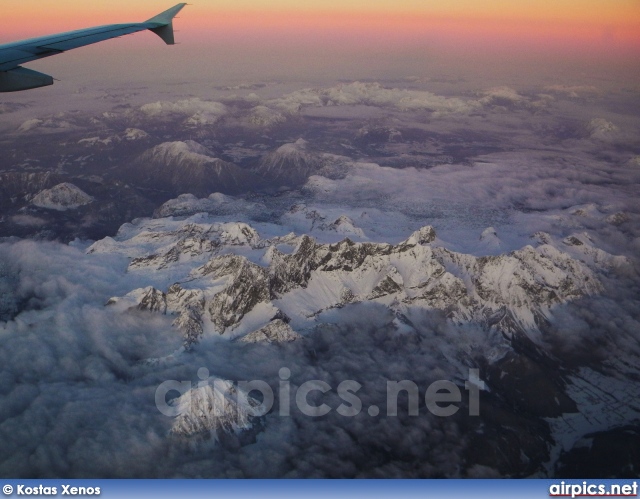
<point>277,331</point>
<point>189,167</point>
<point>292,163</point>
<point>212,407</point>
<point>61,197</point>
<point>423,235</point>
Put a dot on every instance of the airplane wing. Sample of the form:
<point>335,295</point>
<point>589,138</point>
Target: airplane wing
<point>14,77</point>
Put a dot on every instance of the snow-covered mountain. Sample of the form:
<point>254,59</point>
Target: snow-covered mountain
<point>224,279</point>
<point>213,407</point>
<point>264,117</point>
<point>291,163</point>
<point>61,197</point>
<point>129,134</point>
<point>215,204</point>
<point>189,167</point>
<point>277,331</point>
<point>344,225</point>
<point>601,129</point>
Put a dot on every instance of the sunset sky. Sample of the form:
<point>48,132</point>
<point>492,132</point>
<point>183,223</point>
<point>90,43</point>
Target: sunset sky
<point>609,21</point>
<point>254,29</point>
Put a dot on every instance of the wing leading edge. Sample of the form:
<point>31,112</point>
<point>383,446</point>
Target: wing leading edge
<point>13,77</point>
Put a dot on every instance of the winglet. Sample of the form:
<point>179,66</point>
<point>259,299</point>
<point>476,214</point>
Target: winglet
<point>166,16</point>
<point>165,26</point>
